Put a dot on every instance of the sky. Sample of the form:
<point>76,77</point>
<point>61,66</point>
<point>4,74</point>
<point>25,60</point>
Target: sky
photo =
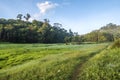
<point>80,16</point>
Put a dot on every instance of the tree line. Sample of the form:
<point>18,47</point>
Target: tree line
<point>108,33</point>
<point>19,31</point>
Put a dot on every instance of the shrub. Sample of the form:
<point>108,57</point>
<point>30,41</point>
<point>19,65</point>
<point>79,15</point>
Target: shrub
<point>116,44</point>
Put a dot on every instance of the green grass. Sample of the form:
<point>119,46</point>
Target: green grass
<point>103,66</point>
<point>43,61</point>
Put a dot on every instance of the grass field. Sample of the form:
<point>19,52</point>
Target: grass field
<point>46,61</point>
<point>103,66</point>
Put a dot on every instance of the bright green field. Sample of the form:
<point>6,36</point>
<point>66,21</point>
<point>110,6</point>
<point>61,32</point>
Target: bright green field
<point>44,61</point>
<point>103,66</point>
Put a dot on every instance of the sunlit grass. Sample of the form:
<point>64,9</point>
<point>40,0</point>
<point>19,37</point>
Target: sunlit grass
<point>104,66</point>
<point>43,62</point>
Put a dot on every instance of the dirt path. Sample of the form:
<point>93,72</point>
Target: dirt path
<point>78,68</point>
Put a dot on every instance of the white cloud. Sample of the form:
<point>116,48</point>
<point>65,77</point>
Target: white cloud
<point>44,7</point>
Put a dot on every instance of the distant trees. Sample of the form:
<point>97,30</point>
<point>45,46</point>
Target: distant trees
<point>46,20</point>
<point>27,17</point>
<point>97,36</point>
<point>19,31</point>
<point>31,32</point>
<point>108,33</point>
<point>19,16</point>
<point>109,26</point>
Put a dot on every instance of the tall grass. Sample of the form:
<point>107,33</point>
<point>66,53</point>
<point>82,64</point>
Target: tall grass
<point>104,66</point>
<point>43,62</point>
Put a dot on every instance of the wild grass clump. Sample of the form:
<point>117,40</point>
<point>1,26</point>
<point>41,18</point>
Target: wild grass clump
<point>116,44</point>
<point>104,66</point>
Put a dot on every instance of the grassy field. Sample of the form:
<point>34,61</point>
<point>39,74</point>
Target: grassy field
<point>103,66</point>
<point>44,61</point>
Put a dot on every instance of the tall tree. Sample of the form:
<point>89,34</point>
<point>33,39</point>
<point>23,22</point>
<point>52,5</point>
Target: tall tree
<point>19,31</point>
<point>27,17</point>
<point>46,20</point>
<point>19,16</point>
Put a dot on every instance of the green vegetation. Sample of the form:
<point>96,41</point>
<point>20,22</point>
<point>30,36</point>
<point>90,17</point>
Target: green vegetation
<point>43,61</point>
<point>90,60</point>
<point>103,66</point>
<point>108,33</point>
<point>116,44</point>
<point>112,29</point>
<point>19,31</point>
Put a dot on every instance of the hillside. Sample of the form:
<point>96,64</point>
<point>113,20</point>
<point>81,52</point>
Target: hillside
<point>111,28</point>
<point>103,66</point>
<point>107,33</point>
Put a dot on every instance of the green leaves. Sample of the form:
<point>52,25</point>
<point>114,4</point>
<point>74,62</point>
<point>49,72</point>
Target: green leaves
<point>19,31</point>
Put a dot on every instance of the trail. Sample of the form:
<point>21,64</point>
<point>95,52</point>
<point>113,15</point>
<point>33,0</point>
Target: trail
<point>78,68</point>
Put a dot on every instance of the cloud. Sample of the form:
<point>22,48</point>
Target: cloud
<point>44,7</point>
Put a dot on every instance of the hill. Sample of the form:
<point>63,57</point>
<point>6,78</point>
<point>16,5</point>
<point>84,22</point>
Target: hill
<point>111,29</point>
<point>108,33</point>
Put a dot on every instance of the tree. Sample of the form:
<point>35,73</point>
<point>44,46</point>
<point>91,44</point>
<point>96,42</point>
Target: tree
<point>19,31</point>
<point>19,16</point>
<point>37,23</point>
<point>46,20</point>
<point>57,25</point>
<point>27,17</point>
<point>67,39</point>
<point>70,32</point>
<point>3,21</point>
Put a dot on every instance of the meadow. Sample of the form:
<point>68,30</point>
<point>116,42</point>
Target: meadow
<point>103,66</point>
<point>51,61</point>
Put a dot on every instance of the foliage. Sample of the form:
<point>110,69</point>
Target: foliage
<point>111,29</point>
<point>27,17</point>
<point>19,16</point>
<point>103,66</point>
<point>116,44</point>
<point>108,33</point>
<point>19,31</point>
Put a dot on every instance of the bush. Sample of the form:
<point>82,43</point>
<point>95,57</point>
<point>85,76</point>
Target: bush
<point>116,44</point>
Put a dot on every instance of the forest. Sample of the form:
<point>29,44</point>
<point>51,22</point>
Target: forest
<point>21,31</point>
<point>24,31</point>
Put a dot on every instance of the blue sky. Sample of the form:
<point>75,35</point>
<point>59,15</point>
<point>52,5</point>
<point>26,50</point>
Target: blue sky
<point>81,16</point>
